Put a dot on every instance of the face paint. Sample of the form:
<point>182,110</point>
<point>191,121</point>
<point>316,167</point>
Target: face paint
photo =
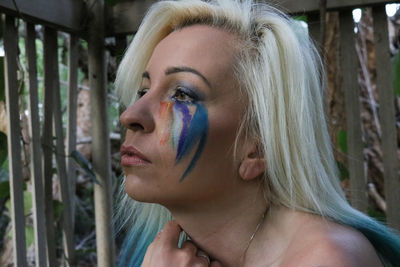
<point>164,115</point>
<point>185,125</point>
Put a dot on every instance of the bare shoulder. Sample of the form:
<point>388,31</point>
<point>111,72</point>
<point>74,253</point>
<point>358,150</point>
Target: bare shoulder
<point>325,243</point>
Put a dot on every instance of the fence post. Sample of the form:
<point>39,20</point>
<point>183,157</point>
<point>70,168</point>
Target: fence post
<point>100,136</point>
<point>384,84</point>
<point>49,51</point>
<point>36,152</point>
<point>71,122</point>
<point>348,57</point>
<point>67,228</point>
<point>14,142</point>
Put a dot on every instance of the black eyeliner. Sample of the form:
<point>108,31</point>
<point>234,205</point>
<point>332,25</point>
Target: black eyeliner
<point>191,91</point>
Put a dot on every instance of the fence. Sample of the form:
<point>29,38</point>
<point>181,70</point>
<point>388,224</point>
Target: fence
<point>87,20</point>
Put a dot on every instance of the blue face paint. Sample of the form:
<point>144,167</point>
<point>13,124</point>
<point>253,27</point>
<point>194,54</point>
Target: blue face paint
<point>196,133</point>
<point>186,130</point>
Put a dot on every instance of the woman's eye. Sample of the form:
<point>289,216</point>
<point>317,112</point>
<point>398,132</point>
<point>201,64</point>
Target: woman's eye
<point>142,92</point>
<point>183,95</point>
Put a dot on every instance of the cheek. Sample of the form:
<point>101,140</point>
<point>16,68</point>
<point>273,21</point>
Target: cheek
<point>184,128</point>
<point>222,136</point>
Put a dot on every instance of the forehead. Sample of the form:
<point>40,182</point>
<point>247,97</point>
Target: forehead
<point>207,49</point>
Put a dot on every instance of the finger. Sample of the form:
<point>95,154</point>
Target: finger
<point>215,264</point>
<point>190,247</point>
<point>169,236</point>
<point>203,257</point>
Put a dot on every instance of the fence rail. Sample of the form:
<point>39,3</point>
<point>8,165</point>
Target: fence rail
<point>89,22</point>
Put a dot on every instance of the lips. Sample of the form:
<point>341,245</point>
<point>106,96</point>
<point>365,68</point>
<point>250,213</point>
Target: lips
<point>131,157</point>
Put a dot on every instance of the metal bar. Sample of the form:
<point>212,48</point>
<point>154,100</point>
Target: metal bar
<point>384,84</point>
<point>348,57</point>
<point>39,222</point>
<point>100,145</point>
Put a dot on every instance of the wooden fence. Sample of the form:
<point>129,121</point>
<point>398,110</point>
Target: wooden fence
<point>91,21</point>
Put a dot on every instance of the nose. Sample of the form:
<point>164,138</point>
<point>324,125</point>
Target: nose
<point>139,116</point>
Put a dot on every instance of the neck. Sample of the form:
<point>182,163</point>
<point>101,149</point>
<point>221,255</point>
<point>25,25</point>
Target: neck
<point>224,229</point>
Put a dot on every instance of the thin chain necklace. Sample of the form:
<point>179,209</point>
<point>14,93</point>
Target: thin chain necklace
<point>254,233</point>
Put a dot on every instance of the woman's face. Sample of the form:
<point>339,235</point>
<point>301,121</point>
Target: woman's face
<point>180,131</point>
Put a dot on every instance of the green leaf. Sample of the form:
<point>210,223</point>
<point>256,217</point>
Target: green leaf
<point>58,208</point>
<point>377,214</point>
<point>4,189</point>
<point>29,235</point>
<point>342,141</point>
<point>4,174</point>
<point>110,2</point>
<point>3,148</point>
<point>84,164</point>
<point>396,74</point>
<point>8,205</point>
<point>301,18</point>
<point>27,202</point>
<point>343,171</point>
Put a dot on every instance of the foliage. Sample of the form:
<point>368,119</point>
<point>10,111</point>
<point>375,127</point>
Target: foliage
<point>342,141</point>
<point>3,148</point>
<point>300,18</point>
<point>343,171</point>
<point>85,165</point>
<point>376,214</point>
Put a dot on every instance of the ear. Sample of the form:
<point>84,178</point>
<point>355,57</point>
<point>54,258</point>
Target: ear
<point>253,163</point>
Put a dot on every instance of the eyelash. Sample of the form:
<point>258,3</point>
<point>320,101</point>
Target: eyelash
<point>187,94</point>
<point>142,92</point>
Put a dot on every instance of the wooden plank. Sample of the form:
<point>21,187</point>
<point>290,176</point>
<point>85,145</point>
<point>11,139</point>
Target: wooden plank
<point>39,222</point>
<point>68,15</point>
<point>126,16</point>
<point>71,121</point>
<point>349,65</point>
<point>100,144</point>
<point>306,6</point>
<point>314,29</point>
<point>121,44</point>
<point>14,142</point>
<point>49,51</point>
<point>387,116</point>
<point>67,229</point>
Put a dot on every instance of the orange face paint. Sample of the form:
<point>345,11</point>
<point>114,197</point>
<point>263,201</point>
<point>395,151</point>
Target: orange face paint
<point>165,121</point>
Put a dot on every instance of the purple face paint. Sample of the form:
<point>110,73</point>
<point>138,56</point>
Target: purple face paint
<point>191,129</point>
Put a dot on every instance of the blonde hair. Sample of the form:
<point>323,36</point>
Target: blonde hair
<point>282,78</point>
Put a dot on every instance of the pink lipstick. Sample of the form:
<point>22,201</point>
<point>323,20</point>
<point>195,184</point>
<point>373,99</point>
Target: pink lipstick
<point>130,157</point>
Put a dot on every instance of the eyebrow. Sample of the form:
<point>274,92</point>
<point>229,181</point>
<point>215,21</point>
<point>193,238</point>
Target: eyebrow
<point>172,70</point>
<point>146,74</point>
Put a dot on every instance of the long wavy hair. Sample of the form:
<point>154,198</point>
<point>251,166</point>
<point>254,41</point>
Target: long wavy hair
<point>281,76</point>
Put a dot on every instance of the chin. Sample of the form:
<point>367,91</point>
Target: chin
<point>139,189</point>
<point>145,190</point>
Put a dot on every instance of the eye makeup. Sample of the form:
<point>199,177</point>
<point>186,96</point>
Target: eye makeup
<point>185,127</point>
<point>188,90</point>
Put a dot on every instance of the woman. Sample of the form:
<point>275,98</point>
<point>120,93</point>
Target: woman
<point>226,134</point>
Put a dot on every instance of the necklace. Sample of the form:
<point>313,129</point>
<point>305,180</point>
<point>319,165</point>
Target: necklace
<point>254,233</point>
